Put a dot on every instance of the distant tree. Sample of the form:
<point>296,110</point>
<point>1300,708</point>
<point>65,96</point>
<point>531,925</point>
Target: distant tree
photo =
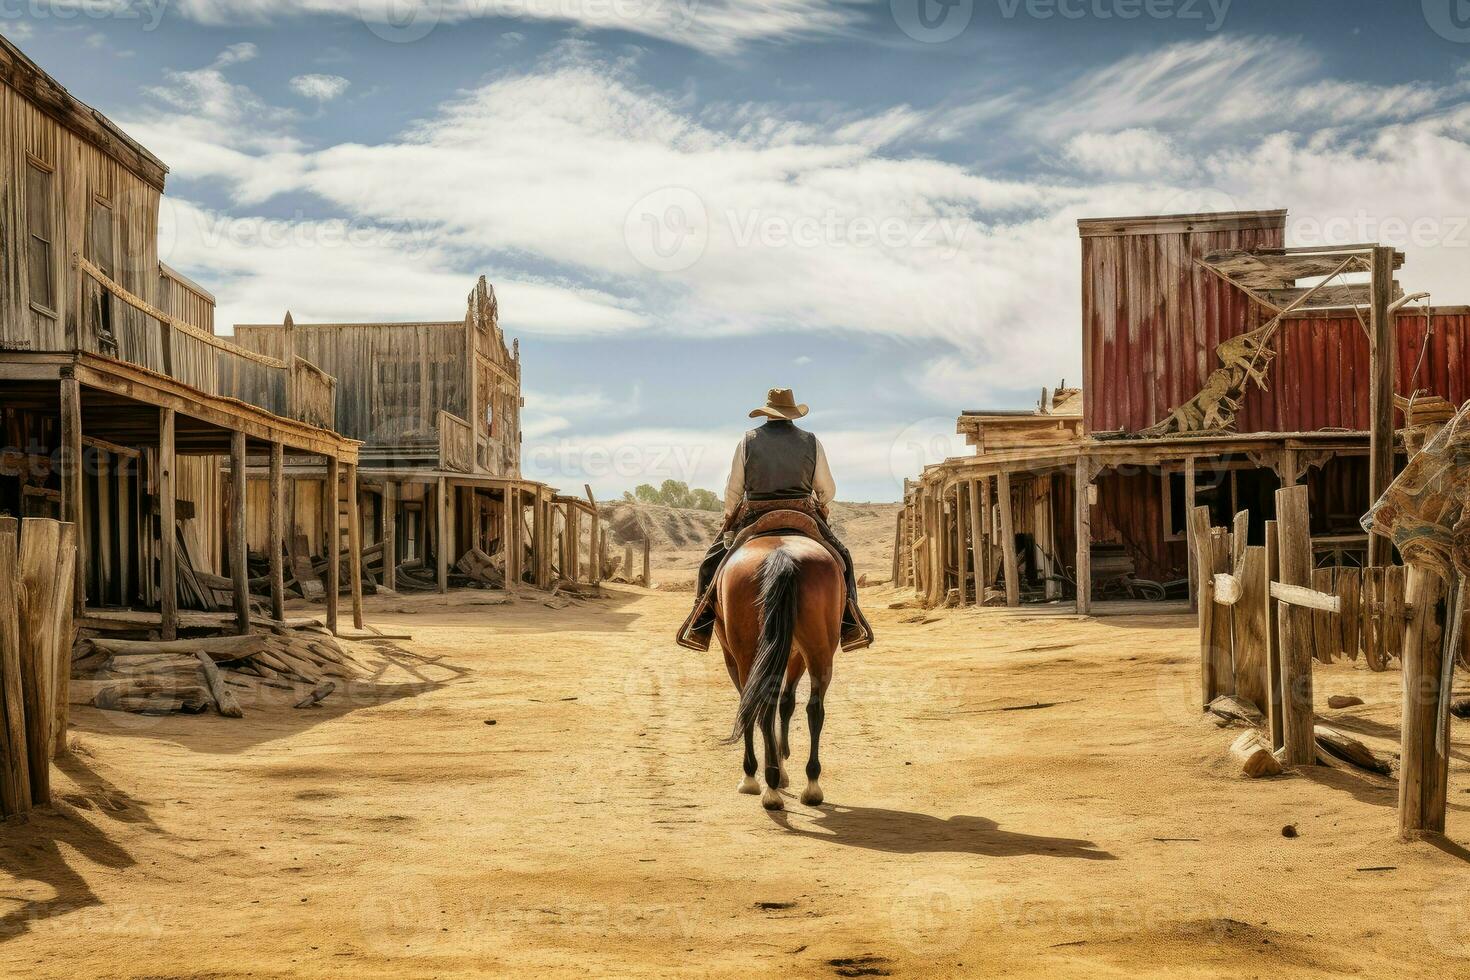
<point>646,494</point>
<point>706,500</point>
<point>674,493</point>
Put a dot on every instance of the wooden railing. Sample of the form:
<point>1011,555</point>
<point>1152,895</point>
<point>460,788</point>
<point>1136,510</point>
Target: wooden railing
<point>197,357</point>
<point>456,443</point>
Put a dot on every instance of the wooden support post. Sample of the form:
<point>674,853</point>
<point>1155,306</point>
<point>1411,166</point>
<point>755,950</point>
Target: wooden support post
<point>441,535</point>
<point>354,543</point>
<point>239,569</point>
<point>124,526</point>
<point>1273,635</point>
<point>596,542</point>
<point>276,544</point>
<point>15,778</point>
<point>40,546</point>
<point>61,629</point>
<point>1008,541</point>
<point>1380,395</point>
<point>331,498</point>
<point>71,478</point>
<point>507,536</point>
<point>962,543</point>
<point>168,535</point>
<point>628,561</point>
<point>647,563</point>
<point>1191,495</point>
<point>1203,561</point>
<point>1424,769</point>
<point>1297,717</point>
<point>390,533</point>
<point>979,547</point>
<point>517,533</point>
<point>1083,483</point>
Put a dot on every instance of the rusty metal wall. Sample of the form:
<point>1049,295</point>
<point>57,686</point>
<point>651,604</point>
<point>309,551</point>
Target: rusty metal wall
<point>1320,377</point>
<point>1152,317</point>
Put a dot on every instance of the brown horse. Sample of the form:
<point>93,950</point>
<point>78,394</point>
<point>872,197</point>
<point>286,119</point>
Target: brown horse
<point>779,616</point>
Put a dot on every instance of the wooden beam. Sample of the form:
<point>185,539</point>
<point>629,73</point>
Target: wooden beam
<point>168,588</point>
<point>1424,763</point>
<point>1380,395</point>
<point>331,497</point>
<point>441,535</point>
<point>390,534</point>
<point>1008,541</point>
<point>979,536</point>
<point>354,542</point>
<point>71,481</point>
<point>1294,528</point>
<point>1191,495</point>
<point>1273,635</point>
<point>239,569</point>
<point>596,541</point>
<point>1083,481</point>
<point>276,543</point>
<point>647,563</point>
<point>962,545</point>
<point>1295,595</point>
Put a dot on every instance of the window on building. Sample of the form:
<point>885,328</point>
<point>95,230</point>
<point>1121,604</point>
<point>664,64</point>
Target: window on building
<point>40,247</point>
<point>99,242</point>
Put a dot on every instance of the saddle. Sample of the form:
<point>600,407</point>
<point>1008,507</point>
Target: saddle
<point>772,517</point>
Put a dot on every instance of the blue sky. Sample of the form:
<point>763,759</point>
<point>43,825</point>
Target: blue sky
<point>684,202</point>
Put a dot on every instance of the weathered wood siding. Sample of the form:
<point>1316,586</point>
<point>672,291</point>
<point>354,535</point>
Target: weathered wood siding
<point>185,300</point>
<point>1152,317</point>
<point>94,205</point>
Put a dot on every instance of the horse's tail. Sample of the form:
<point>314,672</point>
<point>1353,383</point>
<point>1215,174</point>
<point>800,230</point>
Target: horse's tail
<point>778,586</point>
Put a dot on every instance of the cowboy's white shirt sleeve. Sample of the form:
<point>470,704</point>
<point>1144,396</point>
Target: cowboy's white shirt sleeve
<point>824,488</point>
<point>735,487</point>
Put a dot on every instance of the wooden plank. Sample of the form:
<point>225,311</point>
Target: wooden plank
<point>441,535</point>
<point>962,542</point>
<point>331,498</point>
<point>979,536</point>
<point>1371,628</point>
<point>1395,609</point>
<point>1273,634</point>
<point>1252,680</point>
<point>1294,527</point>
<point>596,538</point>
<point>276,538</point>
<point>1349,590</point>
<point>1326,633</point>
<point>1424,770</point>
<point>239,566</point>
<point>1082,484</point>
<point>1222,631</point>
<point>168,585</point>
<point>1240,531</point>
<point>71,475</point>
<point>647,563</point>
<point>1203,562</point>
<point>354,542</point>
<point>15,779</point>
<point>1304,598</point>
<point>389,534</point>
<point>40,546</point>
<point>1008,541</point>
<point>60,627</point>
<point>124,528</point>
<point>1380,394</point>
<point>1191,496</point>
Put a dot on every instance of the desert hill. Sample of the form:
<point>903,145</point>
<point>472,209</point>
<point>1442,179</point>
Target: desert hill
<point>680,537</point>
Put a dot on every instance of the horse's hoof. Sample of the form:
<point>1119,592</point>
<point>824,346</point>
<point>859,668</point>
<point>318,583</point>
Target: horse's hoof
<point>771,800</point>
<point>785,780</point>
<point>812,795</point>
<point>749,786</point>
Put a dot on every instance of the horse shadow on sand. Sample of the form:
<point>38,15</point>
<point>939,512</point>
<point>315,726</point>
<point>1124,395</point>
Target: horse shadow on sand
<point>900,832</point>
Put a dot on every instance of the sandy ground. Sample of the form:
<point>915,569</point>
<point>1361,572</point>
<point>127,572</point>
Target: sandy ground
<point>594,827</point>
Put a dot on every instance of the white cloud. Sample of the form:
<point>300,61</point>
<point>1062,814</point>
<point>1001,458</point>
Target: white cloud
<point>236,54</point>
<point>1131,154</point>
<point>322,88</point>
<point>714,26</point>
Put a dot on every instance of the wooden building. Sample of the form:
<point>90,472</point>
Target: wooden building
<point>1219,367</point>
<point>436,406</point>
<point>118,402</point>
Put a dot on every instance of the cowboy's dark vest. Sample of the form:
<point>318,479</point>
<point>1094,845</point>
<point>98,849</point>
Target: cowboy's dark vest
<point>780,462</point>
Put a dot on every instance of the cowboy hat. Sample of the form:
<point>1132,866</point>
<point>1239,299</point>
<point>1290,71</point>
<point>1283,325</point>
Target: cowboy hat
<point>780,404</point>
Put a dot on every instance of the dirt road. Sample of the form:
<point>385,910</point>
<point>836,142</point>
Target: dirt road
<point>533,791</point>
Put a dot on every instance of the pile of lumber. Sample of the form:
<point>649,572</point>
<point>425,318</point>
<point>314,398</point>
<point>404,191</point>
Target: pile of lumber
<point>484,569</point>
<point>197,675</point>
<point>37,588</point>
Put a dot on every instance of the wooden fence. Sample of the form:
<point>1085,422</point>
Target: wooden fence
<point>36,592</point>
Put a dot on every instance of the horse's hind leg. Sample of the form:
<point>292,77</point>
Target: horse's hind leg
<point>816,714</point>
<point>794,670</point>
<point>771,798</point>
<point>748,785</point>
